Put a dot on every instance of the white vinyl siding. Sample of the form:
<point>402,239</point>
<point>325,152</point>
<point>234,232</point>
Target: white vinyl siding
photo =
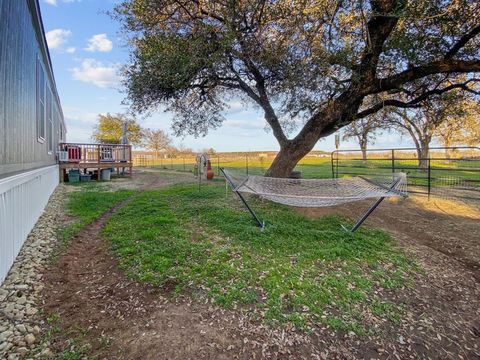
<point>22,200</point>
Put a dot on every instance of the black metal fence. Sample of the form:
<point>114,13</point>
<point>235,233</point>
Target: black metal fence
<point>315,165</point>
<point>447,172</point>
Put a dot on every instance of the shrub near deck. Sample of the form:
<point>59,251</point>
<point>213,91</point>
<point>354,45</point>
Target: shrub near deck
<point>296,270</point>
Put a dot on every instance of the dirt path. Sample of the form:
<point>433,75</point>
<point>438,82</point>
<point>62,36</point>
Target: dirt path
<point>121,319</point>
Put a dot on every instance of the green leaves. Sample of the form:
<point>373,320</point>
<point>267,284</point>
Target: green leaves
<point>109,129</point>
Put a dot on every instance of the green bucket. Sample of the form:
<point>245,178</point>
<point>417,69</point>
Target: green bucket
<point>73,176</point>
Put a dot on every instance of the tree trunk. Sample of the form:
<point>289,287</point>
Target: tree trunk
<point>320,125</point>
<point>423,154</point>
<point>286,160</point>
<point>447,144</point>
<point>363,147</point>
<point>364,154</point>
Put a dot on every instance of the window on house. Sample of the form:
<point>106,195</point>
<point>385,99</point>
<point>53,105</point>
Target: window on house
<point>64,130</point>
<point>59,123</point>
<point>40,102</point>
<point>60,127</point>
<point>49,103</point>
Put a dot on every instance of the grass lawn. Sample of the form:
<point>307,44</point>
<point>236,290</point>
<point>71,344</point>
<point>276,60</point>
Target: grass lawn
<point>298,271</point>
<point>87,204</point>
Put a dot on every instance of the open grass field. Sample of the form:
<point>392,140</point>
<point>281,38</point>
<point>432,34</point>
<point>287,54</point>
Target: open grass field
<point>154,268</point>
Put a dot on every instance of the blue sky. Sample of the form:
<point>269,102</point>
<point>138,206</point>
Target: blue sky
<point>87,52</point>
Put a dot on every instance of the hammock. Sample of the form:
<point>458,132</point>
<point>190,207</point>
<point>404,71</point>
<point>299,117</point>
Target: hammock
<point>319,192</point>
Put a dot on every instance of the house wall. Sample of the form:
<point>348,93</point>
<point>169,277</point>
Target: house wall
<point>28,170</point>
<point>22,200</point>
<point>22,42</point>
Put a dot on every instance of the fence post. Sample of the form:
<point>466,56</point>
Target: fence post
<point>246,162</point>
<point>218,165</point>
<point>429,178</point>
<point>333,169</point>
<point>393,160</point>
<point>338,155</point>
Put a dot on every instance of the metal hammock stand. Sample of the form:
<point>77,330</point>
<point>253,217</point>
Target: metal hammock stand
<point>318,192</point>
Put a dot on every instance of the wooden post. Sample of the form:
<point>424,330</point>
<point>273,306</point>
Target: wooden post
<point>333,169</point>
<point>98,161</point>
<point>130,151</point>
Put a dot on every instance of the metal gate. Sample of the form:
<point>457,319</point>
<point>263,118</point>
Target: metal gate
<point>452,172</point>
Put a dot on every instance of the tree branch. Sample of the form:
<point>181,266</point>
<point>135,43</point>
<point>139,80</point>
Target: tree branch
<point>384,104</point>
<point>379,28</point>
<point>416,102</point>
<point>462,42</point>
<point>418,72</point>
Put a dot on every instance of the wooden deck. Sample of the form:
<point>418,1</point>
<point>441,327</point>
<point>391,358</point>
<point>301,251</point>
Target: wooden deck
<point>94,157</point>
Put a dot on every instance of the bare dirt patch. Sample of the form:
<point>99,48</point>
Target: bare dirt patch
<point>447,227</point>
<point>120,319</point>
<point>444,237</point>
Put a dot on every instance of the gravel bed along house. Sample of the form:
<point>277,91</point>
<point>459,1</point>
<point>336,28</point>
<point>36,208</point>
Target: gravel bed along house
<point>20,323</point>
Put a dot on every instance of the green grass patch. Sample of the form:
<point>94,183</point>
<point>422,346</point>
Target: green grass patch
<point>86,205</point>
<point>296,270</point>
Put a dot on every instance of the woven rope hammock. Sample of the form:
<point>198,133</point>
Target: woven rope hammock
<point>319,192</point>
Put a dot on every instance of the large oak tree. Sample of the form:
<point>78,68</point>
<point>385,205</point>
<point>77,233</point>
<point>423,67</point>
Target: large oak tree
<point>312,62</point>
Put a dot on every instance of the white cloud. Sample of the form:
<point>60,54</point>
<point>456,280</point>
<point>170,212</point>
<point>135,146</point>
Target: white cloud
<point>71,50</point>
<point>236,106</point>
<point>57,37</point>
<point>92,71</point>
<point>75,115</point>
<point>99,42</point>
<point>55,2</point>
